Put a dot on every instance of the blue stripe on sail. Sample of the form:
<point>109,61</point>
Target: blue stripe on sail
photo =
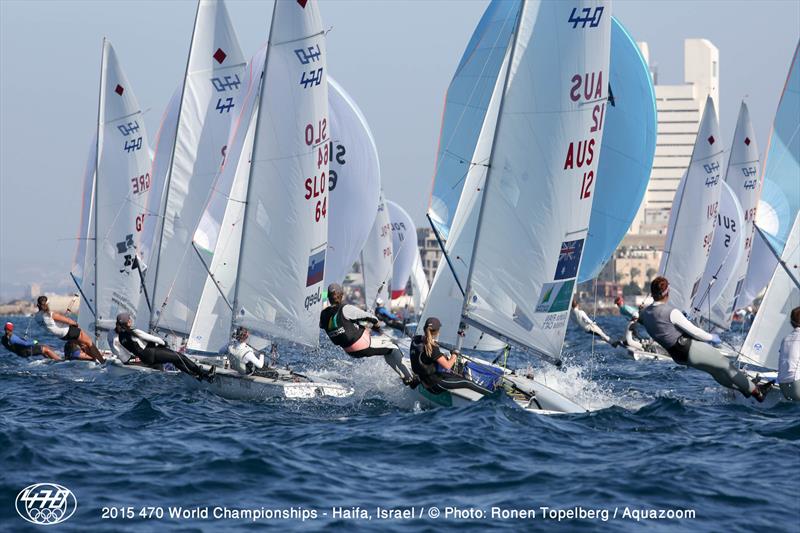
<point>626,157</point>
<point>465,107</point>
<point>782,169</point>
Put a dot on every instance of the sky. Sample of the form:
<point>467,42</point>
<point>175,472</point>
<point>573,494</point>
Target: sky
<point>394,57</point>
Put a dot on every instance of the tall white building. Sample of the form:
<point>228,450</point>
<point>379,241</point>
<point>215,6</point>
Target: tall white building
<point>680,108</point>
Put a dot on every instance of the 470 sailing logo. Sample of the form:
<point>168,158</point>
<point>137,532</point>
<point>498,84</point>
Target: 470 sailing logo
<point>46,504</point>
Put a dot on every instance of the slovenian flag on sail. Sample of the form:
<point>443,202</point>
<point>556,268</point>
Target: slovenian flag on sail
<point>316,268</point>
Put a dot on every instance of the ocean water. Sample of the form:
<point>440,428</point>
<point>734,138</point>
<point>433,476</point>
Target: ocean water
<point>663,447</point>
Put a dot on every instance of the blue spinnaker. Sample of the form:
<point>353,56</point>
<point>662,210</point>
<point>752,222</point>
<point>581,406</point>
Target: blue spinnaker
<point>465,108</point>
<point>782,169</point>
<point>629,144</point>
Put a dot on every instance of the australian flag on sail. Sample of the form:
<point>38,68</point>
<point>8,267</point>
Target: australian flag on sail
<point>316,268</point>
<point>569,259</point>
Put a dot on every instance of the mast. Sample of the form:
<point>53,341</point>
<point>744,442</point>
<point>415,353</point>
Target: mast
<point>250,171</point>
<point>163,209</point>
<point>513,44</point>
<point>100,117</point>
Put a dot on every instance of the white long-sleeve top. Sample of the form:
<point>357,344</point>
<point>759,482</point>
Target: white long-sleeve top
<point>241,353</point>
<point>582,318</point>
<point>789,360</point>
<point>683,324</point>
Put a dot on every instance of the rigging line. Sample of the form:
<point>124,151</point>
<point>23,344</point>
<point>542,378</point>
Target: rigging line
<point>781,262</point>
<point>80,289</point>
<point>445,254</point>
<point>211,275</point>
<point>142,283</point>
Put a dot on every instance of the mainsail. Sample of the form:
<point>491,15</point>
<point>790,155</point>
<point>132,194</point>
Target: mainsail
<point>376,257</point>
<point>210,92</point>
<point>694,214</point>
<point>727,250</point>
<point>743,177</point>
<point>404,247</point>
<point>278,289</point>
<point>354,183</point>
<point>539,186</point>
<point>121,186</point>
<point>629,144</point>
<point>772,324</point>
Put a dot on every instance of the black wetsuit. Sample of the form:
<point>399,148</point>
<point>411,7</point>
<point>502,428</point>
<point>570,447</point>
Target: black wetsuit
<point>153,354</point>
<point>21,347</point>
<point>424,366</point>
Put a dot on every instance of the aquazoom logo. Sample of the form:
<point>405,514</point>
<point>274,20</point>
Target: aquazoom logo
<point>46,504</point>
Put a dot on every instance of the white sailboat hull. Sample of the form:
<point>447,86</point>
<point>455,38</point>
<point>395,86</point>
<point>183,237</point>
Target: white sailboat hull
<point>118,368</point>
<point>642,355</point>
<point>537,398</point>
<point>232,385</point>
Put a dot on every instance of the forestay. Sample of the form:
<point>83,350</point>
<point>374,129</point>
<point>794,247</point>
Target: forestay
<point>743,177</point>
<point>772,324</point>
<point>404,247</point>
<point>629,144</point>
<point>727,250</point>
<point>376,257</point>
<point>210,93</point>
<point>354,183</point>
<point>284,236</point>
<point>539,188</point>
<point>694,214</point>
<point>466,105</point>
<point>121,186</point>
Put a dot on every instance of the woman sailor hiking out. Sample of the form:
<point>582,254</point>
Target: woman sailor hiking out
<point>432,367</point>
<point>66,329</point>
<point>342,323</point>
<point>686,343</point>
<point>132,344</point>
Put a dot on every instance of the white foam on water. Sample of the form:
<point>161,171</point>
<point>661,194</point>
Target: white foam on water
<point>573,381</point>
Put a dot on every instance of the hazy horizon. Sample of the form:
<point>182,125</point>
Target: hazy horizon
<point>395,58</point>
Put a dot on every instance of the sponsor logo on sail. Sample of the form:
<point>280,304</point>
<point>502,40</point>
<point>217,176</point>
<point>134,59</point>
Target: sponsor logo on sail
<point>46,503</point>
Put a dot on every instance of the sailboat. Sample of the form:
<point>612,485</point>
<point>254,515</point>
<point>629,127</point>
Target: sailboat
<point>404,246</point>
<point>114,209</point>
<point>209,95</point>
<point>281,254</point>
<point>743,177</point>
<point>694,214</point>
<point>531,185</point>
<point>376,257</point>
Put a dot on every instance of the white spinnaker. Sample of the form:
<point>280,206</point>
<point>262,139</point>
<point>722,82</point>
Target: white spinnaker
<point>220,228</point>
<point>540,183</point>
<point>121,187</point>
<point>404,247</point>
<point>743,177</point>
<point>446,298</point>
<point>694,214</point>
<point>284,236</point>
<point>376,257</point>
<point>771,324</point>
<point>83,264</point>
<point>210,92</point>
<point>419,284</point>
<point>727,251</point>
<point>355,184</point>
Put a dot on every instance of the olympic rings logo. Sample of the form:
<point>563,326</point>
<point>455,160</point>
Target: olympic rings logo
<point>46,503</point>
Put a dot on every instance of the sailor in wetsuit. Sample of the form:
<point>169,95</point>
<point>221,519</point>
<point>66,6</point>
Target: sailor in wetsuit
<point>432,367</point>
<point>133,344</point>
<point>387,317</point>
<point>341,323</point>
<point>66,329</point>
<point>73,352</point>
<point>588,325</point>
<point>23,348</point>
<point>686,343</point>
<point>789,360</point>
